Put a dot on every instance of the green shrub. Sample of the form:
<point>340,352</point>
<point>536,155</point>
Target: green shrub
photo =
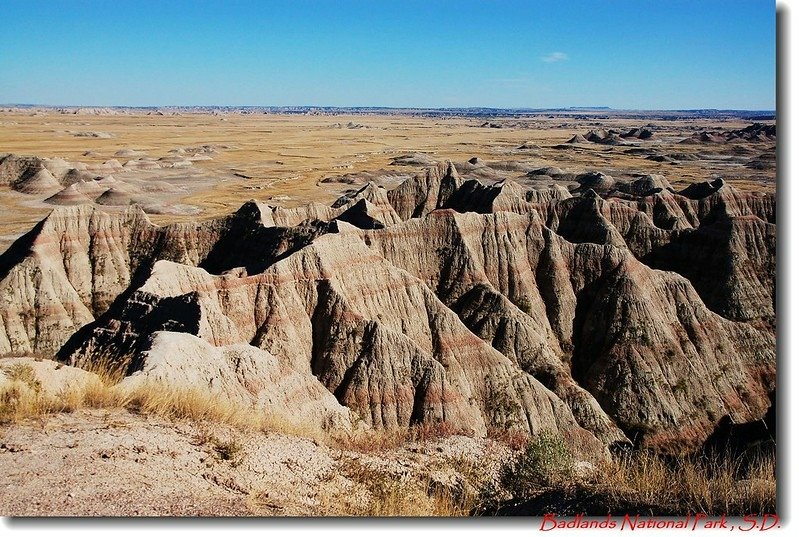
<point>524,304</point>
<point>546,461</point>
<point>502,410</point>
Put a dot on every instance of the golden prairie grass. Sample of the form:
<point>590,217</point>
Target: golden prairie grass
<point>289,155</point>
<point>640,480</point>
<point>18,402</point>
<point>22,397</point>
<point>718,484</point>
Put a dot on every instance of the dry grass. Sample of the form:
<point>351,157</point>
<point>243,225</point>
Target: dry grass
<point>515,439</point>
<point>450,486</point>
<point>373,491</point>
<point>375,441</point>
<point>378,492</point>
<point>18,402</point>
<point>159,399</point>
<point>717,485</point>
<point>22,398</point>
<point>369,440</point>
<point>640,481</point>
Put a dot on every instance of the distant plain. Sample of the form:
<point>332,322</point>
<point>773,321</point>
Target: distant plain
<point>282,159</point>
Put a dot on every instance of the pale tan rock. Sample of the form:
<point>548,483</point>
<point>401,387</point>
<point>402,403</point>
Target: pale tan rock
<point>240,373</point>
<point>424,193</point>
<point>375,336</point>
<point>70,195</point>
<point>44,376</point>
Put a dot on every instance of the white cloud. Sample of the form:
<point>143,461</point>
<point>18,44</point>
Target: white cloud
<point>553,57</point>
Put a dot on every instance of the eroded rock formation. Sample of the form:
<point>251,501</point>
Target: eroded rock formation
<point>621,312</point>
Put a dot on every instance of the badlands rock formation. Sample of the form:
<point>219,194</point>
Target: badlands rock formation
<point>620,312</point>
<point>58,182</point>
<point>611,136</point>
<point>756,132</point>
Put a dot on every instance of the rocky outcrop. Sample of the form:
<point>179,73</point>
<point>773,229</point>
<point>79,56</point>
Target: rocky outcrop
<point>368,208</point>
<point>242,374</point>
<point>644,215</point>
<point>39,181</point>
<point>757,132</point>
<point>731,263</point>
<point>70,195</point>
<point>577,139</point>
<point>532,295</point>
<point>38,377</point>
<point>12,167</point>
<point>620,312</point>
<point>424,193</point>
<point>73,264</point>
<point>58,182</point>
<point>610,136</point>
<point>374,335</point>
<point>37,176</point>
<point>642,133</point>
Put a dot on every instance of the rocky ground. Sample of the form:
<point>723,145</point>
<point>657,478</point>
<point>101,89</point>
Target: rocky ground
<point>116,463</point>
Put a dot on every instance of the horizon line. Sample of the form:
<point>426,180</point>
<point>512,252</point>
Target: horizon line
<point>384,107</point>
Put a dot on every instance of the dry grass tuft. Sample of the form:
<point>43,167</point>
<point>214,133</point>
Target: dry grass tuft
<point>378,492</point>
<point>21,398</point>
<point>643,480</point>
<point>368,440</point>
<point>23,373</point>
<point>717,485</point>
<point>515,439</point>
<point>428,432</point>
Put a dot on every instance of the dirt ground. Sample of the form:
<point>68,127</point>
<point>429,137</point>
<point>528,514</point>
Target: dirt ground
<point>114,463</point>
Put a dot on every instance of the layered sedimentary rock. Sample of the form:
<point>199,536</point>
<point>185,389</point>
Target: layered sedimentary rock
<point>72,265</point>
<point>644,215</point>
<point>374,335</point>
<point>757,132</point>
<point>621,312</point>
<point>422,194</point>
<point>242,374</point>
<point>58,182</point>
<point>555,308</point>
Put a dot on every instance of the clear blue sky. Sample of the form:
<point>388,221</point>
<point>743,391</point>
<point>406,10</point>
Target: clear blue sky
<point>667,54</point>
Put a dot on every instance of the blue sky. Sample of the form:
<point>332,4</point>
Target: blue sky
<point>668,54</point>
